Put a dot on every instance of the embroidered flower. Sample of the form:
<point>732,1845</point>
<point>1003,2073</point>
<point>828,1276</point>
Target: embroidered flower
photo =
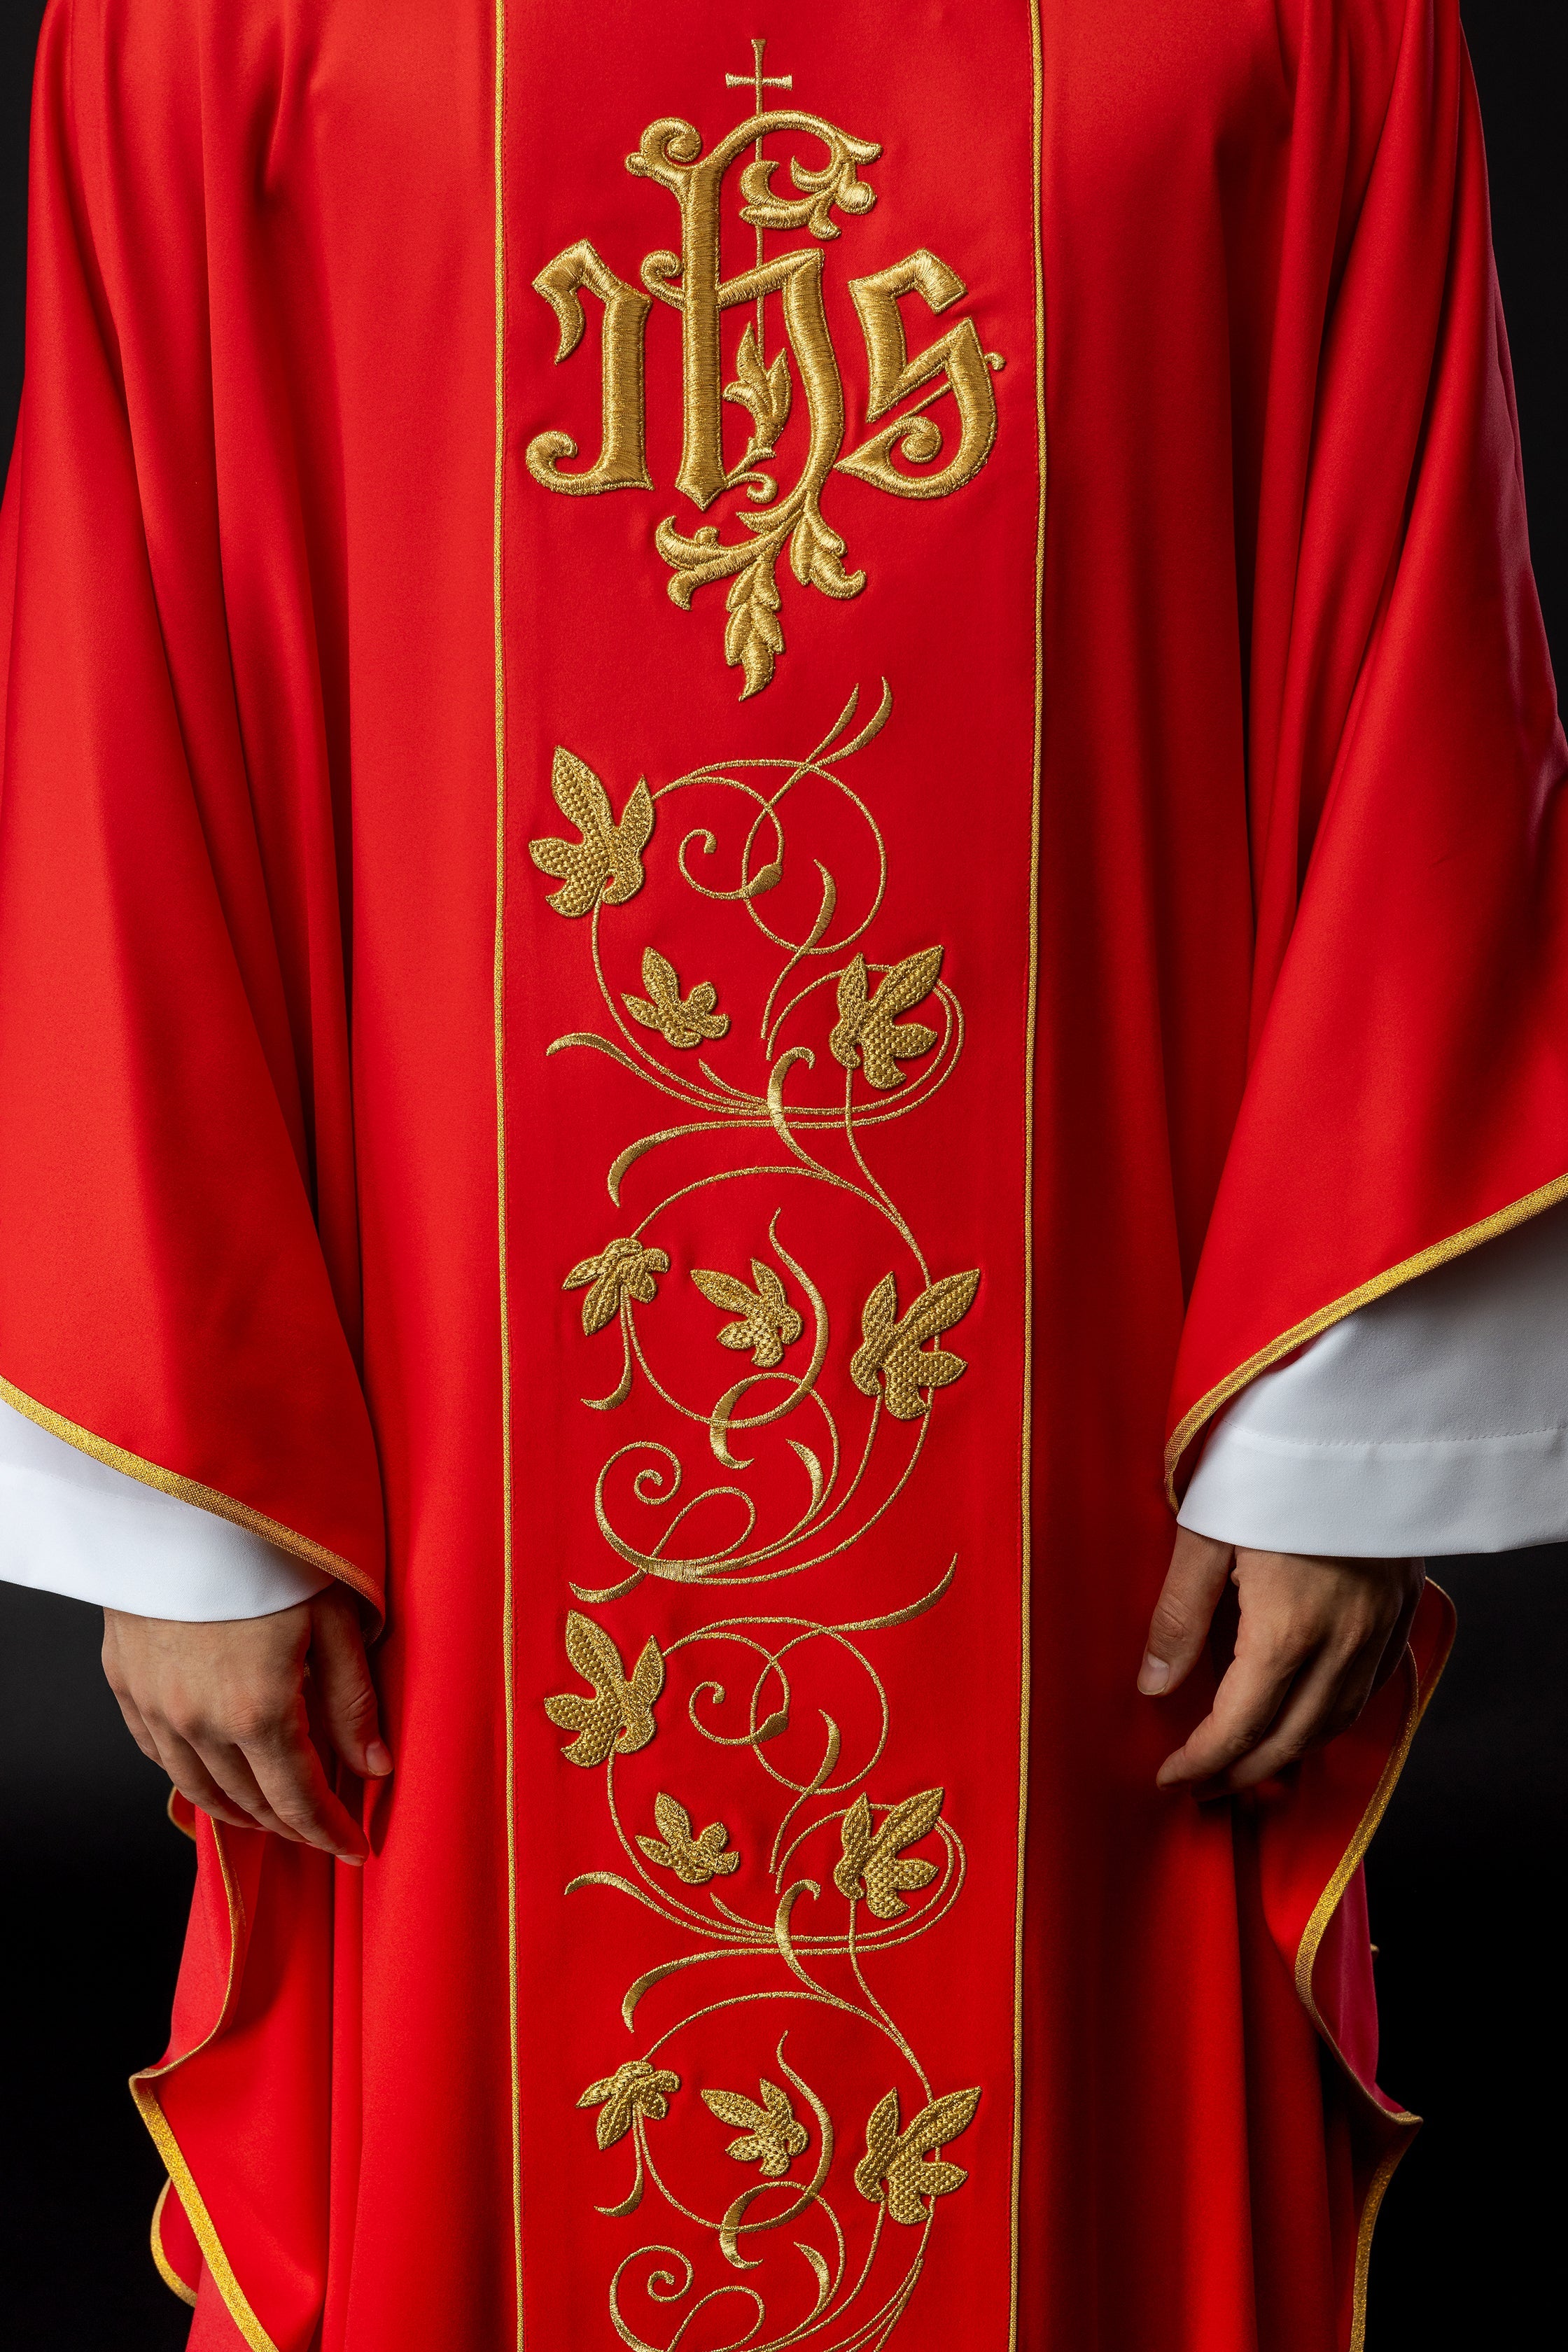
<point>623,1269</point>
<point>634,2089</point>
<point>770,2135</point>
<point>608,858</point>
<point>869,1035</point>
<point>872,1860</point>
<point>620,1716</point>
<point>768,1323</point>
<point>898,1351</point>
<point>892,2166</point>
<point>694,1860</point>
<point>683,1022</point>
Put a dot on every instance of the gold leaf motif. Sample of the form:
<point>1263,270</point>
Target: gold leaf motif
<point>694,1860</point>
<point>869,1035</point>
<point>634,2089</point>
<point>873,1859</point>
<point>682,1021</point>
<point>768,1324</point>
<point>764,392</point>
<point>770,2135</point>
<point>897,1350</point>
<point>607,861</point>
<point>893,2168</point>
<point>620,1716</point>
<point>623,1269</point>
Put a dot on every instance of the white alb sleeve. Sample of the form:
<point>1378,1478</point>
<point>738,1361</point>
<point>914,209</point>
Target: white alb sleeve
<point>71,1524</point>
<point>1433,1422</point>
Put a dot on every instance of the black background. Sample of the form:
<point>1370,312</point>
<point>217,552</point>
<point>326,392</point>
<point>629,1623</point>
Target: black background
<point>1465,1877</point>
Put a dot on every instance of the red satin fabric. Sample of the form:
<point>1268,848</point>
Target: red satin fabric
<point>1299,1010</point>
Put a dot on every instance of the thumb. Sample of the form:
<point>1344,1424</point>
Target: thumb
<point>1179,1627</point>
<point>344,1690</point>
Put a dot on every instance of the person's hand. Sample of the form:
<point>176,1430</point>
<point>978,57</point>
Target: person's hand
<point>1313,1640</point>
<point>241,1713</point>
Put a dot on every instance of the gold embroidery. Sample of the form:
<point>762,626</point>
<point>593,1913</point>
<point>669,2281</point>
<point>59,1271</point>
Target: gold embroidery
<point>892,2166</point>
<point>607,862</point>
<point>681,1022</point>
<point>770,2135</point>
<point>768,1324</point>
<point>694,1860</point>
<point>621,464</point>
<point>956,361</point>
<point>634,2091</point>
<point>841,1883</point>
<point>623,1270</point>
<point>873,1860</point>
<point>868,1036</point>
<point>620,1716</point>
<point>691,282</point>
<point>897,1350</point>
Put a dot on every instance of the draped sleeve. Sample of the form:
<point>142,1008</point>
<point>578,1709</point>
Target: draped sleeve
<point>1408,1094</point>
<point>179,1289</point>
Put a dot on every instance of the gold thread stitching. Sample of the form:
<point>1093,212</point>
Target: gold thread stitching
<point>1306,1961</point>
<point>166,2268</point>
<point>1031,1020</point>
<point>692,283</point>
<point>1426,1261</point>
<point>150,2108</point>
<point>508,1644</point>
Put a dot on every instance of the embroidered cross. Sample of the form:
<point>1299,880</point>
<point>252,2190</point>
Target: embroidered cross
<point>757,81</point>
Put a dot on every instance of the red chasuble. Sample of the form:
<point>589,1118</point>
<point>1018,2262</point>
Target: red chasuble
<point>761,798</point>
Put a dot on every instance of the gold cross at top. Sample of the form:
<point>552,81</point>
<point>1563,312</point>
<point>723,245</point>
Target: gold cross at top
<point>757,81</point>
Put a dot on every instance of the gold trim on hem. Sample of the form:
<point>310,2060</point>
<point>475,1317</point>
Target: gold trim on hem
<point>189,1490</point>
<point>1403,2122</point>
<point>150,2109</point>
<point>1426,1261</point>
<point>164,2267</point>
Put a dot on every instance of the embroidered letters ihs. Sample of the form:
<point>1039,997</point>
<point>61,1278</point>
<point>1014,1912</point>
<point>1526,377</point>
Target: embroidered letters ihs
<point>692,283</point>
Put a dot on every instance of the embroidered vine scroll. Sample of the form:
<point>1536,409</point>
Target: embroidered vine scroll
<point>764,1030</point>
<point>847,1049</point>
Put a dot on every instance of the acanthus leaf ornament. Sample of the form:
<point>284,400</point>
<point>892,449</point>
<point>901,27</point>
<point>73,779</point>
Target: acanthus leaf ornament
<point>607,862</point>
<point>693,1859</point>
<point>896,1351</point>
<point>894,2168</point>
<point>765,1322</point>
<point>619,1717</point>
<point>636,2089</point>
<point>691,281</point>
<point>869,1035</point>
<point>770,2135</point>
<point>683,1022</point>
<point>873,1863</point>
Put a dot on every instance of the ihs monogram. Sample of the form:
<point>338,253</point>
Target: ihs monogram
<point>692,283</point>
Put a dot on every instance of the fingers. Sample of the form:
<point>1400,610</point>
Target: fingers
<point>1179,1627</point>
<point>222,1708</point>
<point>1315,1639</point>
<point>1251,1693</point>
<point>344,1691</point>
<point>290,1773</point>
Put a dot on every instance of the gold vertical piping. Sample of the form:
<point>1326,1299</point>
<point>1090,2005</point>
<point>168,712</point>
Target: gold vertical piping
<point>1031,1016</point>
<point>150,2108</point>
<point>1409,1269</point>
<point>166,2268</point>
<point>509,1703</point>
